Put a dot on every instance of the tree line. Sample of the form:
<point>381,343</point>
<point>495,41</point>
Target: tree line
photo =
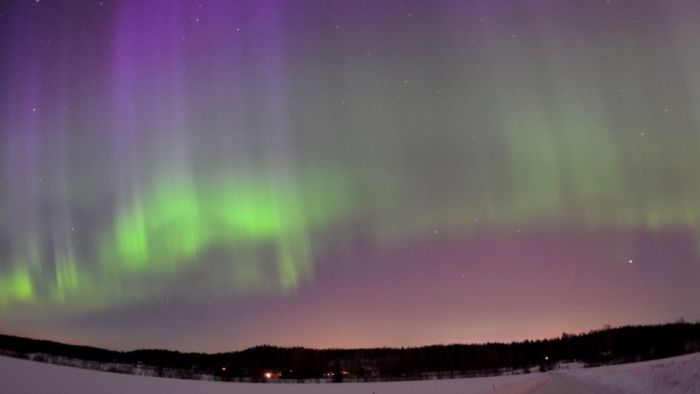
<point>265,363</point>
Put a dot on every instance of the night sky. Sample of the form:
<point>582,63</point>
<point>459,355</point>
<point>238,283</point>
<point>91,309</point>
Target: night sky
<point>212,175</point>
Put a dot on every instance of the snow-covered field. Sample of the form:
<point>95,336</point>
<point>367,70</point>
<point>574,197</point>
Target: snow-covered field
<point>670,375</point>
<point>673,375</point>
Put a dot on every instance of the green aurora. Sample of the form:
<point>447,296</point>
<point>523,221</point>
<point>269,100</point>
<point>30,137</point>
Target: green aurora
<point>146,155</point>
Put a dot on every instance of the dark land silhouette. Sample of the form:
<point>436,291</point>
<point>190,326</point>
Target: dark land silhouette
<point>266,363</point>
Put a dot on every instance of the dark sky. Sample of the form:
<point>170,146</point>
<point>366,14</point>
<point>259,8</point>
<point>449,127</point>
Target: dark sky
<point>211,175</point>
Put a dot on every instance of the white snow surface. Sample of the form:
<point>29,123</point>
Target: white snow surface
<point>673,375</point>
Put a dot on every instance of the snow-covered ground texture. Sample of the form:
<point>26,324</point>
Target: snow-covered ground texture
<point>672,375</point>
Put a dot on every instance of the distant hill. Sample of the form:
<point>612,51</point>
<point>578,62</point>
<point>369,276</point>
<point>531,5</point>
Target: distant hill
<point>264,363</point>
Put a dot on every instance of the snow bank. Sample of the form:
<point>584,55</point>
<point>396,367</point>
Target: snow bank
<point>671,375</point>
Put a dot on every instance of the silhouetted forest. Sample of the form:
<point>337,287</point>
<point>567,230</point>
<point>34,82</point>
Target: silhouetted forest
<point>264,363</point>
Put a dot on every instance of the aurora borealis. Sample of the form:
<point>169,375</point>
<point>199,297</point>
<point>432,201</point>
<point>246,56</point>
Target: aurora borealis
<point>211,175</point>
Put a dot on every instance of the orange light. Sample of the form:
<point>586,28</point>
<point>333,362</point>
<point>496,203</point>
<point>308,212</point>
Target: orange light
<point>268,375</point>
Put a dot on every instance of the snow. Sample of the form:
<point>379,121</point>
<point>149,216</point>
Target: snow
<point>673,375</point>
<point>668,376</point>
